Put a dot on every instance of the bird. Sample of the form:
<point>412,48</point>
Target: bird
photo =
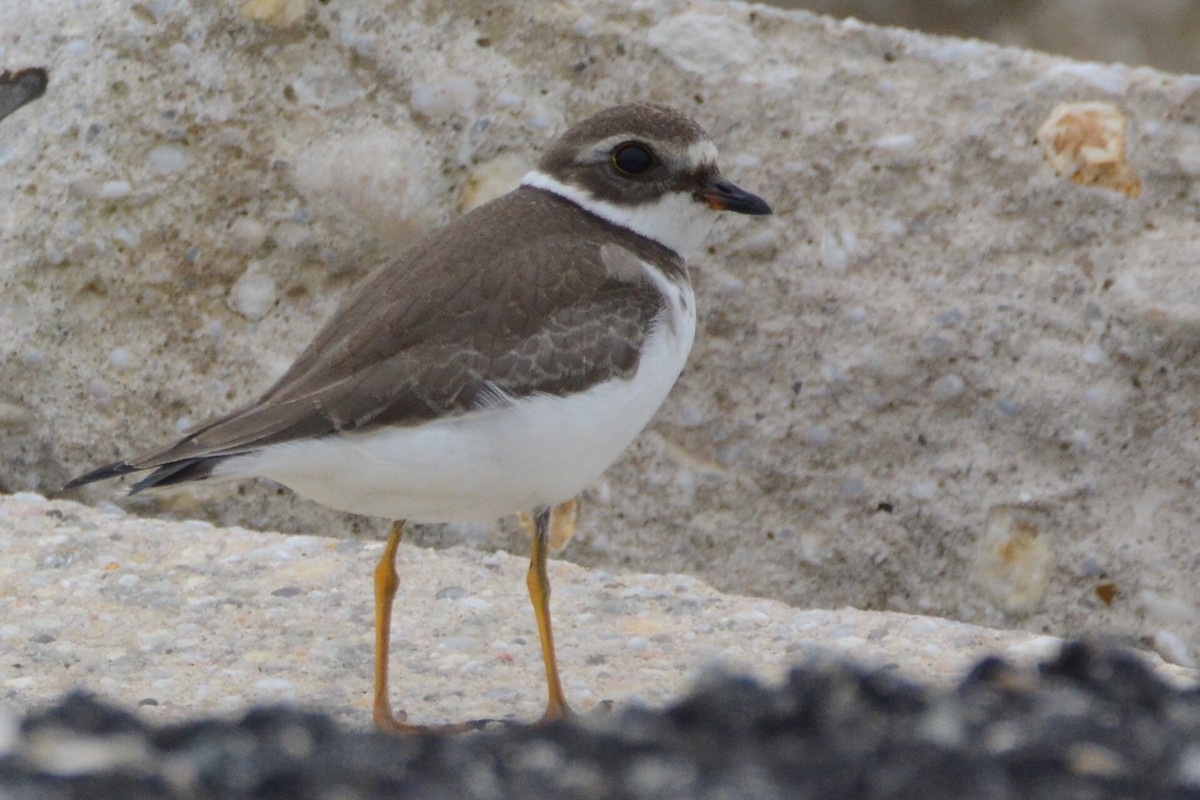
<point>500,364</point>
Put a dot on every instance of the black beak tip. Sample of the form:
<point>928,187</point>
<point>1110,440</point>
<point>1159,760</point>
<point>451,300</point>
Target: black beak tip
<point>755,206</point>
<point>726,196</point>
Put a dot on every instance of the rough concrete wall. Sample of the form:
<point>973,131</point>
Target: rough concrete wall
<point>943,378</point>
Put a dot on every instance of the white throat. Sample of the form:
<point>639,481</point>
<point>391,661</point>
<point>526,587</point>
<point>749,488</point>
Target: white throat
<point>676,220</point>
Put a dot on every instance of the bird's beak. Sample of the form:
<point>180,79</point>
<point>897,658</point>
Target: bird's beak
<point>724,195</point>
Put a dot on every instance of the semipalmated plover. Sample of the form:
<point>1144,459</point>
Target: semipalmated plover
<point>502,363</point>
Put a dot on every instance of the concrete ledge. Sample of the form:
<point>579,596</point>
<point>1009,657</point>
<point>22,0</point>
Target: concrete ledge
<point>945,378</point>
<point>182,619</point>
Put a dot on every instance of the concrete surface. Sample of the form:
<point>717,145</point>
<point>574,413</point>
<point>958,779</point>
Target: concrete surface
<point>181,620</point>
<point>943,378</point>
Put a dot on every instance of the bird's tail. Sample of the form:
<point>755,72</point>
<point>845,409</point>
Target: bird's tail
<point>182,471</point>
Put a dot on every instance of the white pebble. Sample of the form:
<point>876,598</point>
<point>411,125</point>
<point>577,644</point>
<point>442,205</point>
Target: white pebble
<point>818,436</point>
<point>253,295</point>
<point>510,101</point>
<point>1093,355</point>
<point>1173,649</point>
<point>747,620</point>
<point>851,487</point>
<point>896,142</point>
<point>1040,647</point>
<point>837,249</point>
<point>126,236</point>
<point>232,137</point>
<point>114,190</point>
<point>948,387</point>
<point>1097,397</point>
<point>1008,406</point>
<point>327,89</point>
<point>247,234</point>
<point>167,158</point>
<point>923,490</point>
<point>96,189</point>
<point>120,358</point>
<point>585,25</point>
<point>888,364</point>
<point>951,316</point>
<point>537,117</point>
<point>451,96</point>
<point>689,415</point>
<point>460,644</point>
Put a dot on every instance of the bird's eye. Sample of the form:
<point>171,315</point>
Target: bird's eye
<point>632,158</point>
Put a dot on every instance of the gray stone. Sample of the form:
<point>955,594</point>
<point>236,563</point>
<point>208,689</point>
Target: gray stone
<point>908,184</point>
<point>1088,722</point>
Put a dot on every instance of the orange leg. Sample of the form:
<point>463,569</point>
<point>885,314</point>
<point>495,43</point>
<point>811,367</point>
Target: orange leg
<point>539,592</point>
<point>387,581</point>
<point>386,584</point>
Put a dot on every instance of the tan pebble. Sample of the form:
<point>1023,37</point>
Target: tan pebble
<point>642,627</point>
<point>1085,141</point>
<point>1014,560</point>
<point>277,13</point>
<point>491,179</point>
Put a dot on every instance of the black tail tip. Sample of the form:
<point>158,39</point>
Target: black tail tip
<point>188,469</point>
<point>102,473</point>
<point>173,472</point>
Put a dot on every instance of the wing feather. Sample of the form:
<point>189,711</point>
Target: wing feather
<point>562,314</point>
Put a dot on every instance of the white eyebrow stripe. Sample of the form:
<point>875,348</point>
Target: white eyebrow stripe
<point>702,152</point>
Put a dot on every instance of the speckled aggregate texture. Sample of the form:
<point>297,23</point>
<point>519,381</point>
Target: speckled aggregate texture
<point>1088,724</point>
<point>941,379</point>
<point>181,618</point>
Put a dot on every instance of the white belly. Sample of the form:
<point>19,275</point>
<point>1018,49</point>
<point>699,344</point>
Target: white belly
<point>483,465</point>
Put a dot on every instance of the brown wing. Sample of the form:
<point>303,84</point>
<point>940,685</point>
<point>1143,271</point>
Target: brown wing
<point>417,341</point>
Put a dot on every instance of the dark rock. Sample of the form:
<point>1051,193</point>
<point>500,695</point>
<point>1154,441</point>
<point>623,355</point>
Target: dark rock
<point>1094,723</point>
